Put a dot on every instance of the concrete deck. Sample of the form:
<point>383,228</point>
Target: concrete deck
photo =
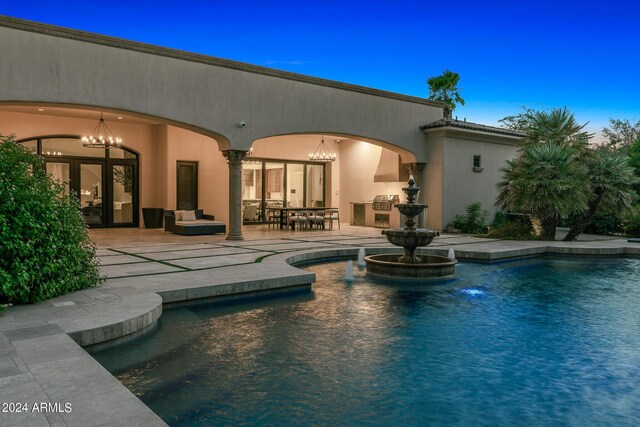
<point>41,354</point>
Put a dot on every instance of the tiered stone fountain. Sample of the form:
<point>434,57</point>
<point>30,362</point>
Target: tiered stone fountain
<point>409,265</point>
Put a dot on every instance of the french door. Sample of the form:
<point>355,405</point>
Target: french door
<point>107,189</point>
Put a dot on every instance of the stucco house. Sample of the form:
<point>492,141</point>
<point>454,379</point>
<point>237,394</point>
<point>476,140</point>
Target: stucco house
<point>227,137</point>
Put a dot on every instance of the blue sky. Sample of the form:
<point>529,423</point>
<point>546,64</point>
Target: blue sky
<point>543,54</point>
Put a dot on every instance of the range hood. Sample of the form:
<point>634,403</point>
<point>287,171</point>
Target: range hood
<point>390,168</point>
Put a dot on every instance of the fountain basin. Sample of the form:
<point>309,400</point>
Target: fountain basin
<point>431,267</point>
<point>410,209</point>
<point>410,238</point>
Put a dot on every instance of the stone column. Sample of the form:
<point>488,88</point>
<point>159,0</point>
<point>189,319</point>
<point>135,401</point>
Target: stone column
<point>416,169</point>
<point>234,159</point>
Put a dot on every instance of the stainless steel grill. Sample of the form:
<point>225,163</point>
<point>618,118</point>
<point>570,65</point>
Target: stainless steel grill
<point>384,202</point>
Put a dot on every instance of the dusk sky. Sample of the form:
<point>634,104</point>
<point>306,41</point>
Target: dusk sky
<point>543,54</point>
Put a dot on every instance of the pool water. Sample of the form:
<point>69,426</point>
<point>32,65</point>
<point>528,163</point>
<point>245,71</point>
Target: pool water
<point>543,341</point>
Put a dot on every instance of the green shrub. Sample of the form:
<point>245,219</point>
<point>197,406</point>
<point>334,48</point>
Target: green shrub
<point>513,230</point>
<point>499,220</point>
<point>45,250</point>
<point>604,223</point>
<point>631,224</point>
<point>473,221</point>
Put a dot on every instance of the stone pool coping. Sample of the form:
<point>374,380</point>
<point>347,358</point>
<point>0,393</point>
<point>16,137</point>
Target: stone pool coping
<point>42,361</point>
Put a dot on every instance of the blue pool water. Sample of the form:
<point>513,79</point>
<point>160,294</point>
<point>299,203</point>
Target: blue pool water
<point>531,342</point>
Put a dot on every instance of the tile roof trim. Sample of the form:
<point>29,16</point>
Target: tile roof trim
<point>471,126</point>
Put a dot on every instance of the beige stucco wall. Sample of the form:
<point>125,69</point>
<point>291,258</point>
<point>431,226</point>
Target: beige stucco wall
<point>461,185</point>
<point>213,172</point>
<point>358,163</point>
<point>431,183</point>
<point>43,64</point>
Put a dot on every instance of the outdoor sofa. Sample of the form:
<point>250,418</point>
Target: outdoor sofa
<point>194,223</point>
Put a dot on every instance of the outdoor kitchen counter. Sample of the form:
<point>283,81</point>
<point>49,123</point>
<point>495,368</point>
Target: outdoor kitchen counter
<point>363,213</point>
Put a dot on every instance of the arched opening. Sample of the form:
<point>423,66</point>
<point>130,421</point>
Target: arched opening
<point>115,185</point>
<point>279,172</point>
<point>105,180</point>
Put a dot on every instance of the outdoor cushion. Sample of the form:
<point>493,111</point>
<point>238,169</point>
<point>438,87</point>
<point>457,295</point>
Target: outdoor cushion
<point>188,216</point>
<point>178,215</point>
<point>202,224</point>
<point>197,222</point>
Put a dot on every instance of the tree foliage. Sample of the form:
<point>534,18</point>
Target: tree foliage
<point>546,182</point>
<point>557,125</point>
<point>622,134</point>
<point>445,88</point>
<point>611,182</point>
<point>558,175</point>
<point>45,250</point>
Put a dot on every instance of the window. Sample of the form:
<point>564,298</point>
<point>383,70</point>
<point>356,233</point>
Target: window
<point>477,167</point>
<point>31,145</point>
<point>71,147</point>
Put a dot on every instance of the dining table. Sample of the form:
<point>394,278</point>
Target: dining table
<point>284,212</point>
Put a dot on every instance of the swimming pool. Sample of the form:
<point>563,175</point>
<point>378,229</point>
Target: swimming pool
<point>542,341</point>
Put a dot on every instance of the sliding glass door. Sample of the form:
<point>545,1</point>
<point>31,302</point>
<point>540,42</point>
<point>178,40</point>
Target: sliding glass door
<point>295,185</point>
<point>314,188</point>
<point>271,184</point>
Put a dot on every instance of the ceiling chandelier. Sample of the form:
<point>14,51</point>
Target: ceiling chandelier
<point>101,137</point>
<point>322,153</point>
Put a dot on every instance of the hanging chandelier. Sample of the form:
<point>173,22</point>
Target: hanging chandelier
<point>322,153</point>
<point>101,137</point>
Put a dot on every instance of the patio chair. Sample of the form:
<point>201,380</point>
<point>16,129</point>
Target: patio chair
<point>273,217</point>
<point>298,220</point>
<point>332,215</point>
<point>316,219</point>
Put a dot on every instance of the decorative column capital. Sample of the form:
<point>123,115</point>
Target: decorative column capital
<point>234,157</point>
<point>414,168</point>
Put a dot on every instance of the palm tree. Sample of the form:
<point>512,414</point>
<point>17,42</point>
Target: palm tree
<point>547,182</point>
<point>611,182</point>
<point>445,88</point>
<point>557,125</point>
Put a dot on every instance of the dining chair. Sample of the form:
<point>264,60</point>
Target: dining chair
<point>316,218</point>
<point>273,217</point>
<point>298,220</point>
<point>332,215</point>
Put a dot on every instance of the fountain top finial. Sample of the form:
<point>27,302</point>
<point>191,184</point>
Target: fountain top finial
<point>411,190</point>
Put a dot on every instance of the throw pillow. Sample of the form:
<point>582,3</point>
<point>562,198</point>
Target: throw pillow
<point>189,215</point>
<point>178,215</point>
